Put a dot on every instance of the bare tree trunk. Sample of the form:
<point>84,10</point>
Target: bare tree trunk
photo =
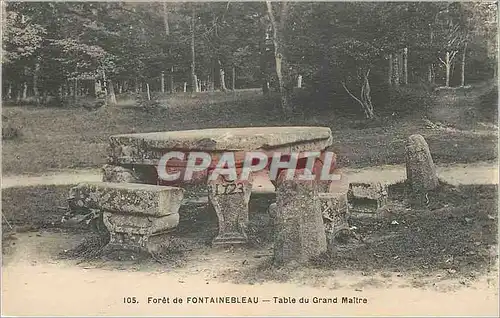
<point>171,86</point>
<point>75,88</point>
<point>447,65</point>
<point>36,74</point>
<point>165,18</point>
<point>185,87</point>
<point>233,79</point>
<point>196,88</point>
<point>136,86</point>
<point>400,66</point>
<point>193,65</point>
<point>396,70</point>
<point>9,92</point>
<point>462,78</point>
<point>148,92</point>
<point>429,74</point>
<point>25,90</point>
<point>299,81</point>
<point>365,98</point>
<point>278,54</point>
<point>389,75</point>
<point>405,65</point>
<point>222,77</point>
<point>162,81</point>
<point>112,95</point>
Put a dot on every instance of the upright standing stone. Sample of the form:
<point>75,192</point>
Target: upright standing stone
<point>299,230</point>
<point>420,169</point>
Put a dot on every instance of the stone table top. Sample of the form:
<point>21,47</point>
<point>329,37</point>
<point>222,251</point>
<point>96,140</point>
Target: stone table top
<point>228,139</point>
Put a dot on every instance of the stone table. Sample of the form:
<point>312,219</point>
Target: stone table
<point>135,158</point>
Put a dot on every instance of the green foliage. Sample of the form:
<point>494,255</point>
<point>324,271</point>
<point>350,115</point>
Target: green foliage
<point>53,45</point>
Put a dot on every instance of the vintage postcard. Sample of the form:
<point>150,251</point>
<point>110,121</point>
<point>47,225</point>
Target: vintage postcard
<point>249,158</point>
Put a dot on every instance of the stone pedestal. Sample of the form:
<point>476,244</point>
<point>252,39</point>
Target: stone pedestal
<point>230,201</point>
<point>132,213</point>
<point>299,229</point>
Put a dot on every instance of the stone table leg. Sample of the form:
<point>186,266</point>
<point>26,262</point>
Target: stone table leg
<point>230,201</point>
<point>299,229</point>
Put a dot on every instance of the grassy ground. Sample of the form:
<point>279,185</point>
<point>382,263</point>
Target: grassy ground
<point>55,138</point>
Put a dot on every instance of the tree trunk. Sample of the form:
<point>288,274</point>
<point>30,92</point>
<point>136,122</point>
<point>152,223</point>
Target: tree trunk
<point>396,70</point>
<point>9,92</point>
<point>299,81</point>
<point>112,96</point>
<point>447,65</point>
<point>222,77</point>
<point>365,98</point>
<point>389,78</point>
<point>75,88</point>
<point>36,74</point>
<point>163,81</point>
<point>194,81</point>
<point>429,74</point>
<point>19,93</point>
<point>136,86</point>
<point>405,65</point>
<point>148,92</point>
<point>25,90</point>
<point>462,78</point>
<point>233,79</point>
<point>278,54</point>
<point>165,18</point>
<point>185,87</point>
<point>171,86</point>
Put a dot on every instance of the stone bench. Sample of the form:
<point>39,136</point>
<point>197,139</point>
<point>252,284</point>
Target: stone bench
<point>136,215</point>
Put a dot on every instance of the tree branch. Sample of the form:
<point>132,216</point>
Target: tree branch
<point>354,97</point>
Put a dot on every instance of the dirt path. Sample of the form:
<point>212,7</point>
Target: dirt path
<point>35,283</point>
<point>476,173</point>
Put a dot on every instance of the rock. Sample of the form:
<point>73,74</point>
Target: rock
<point>128,198</point>
<point>367,196</point>
<point>420,169</point>
<point>132,213</point>
<point>299,230</point>
<point>118,174</point>
<point>335,209</point>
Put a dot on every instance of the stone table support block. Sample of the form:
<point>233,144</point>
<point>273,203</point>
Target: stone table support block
<point>299,229</point>
<point>230,201</point>
<point>132,213</point>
